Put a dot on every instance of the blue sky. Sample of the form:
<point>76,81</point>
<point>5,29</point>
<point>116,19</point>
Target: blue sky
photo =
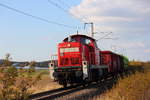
<point>26,38</point>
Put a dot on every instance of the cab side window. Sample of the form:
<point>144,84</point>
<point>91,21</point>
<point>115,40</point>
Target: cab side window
<point>85,41</point>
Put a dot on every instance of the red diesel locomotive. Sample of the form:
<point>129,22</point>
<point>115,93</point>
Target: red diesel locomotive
<point>80,60</point>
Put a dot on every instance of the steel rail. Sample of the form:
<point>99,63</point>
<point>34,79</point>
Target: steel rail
<point>51,93</point>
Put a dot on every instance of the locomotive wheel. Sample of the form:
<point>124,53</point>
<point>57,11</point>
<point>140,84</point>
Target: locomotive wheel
<point>83,83</point>
<point>72,84</point>
<point>99,81</point>
<point>86,82</point>
<point>64,84</point>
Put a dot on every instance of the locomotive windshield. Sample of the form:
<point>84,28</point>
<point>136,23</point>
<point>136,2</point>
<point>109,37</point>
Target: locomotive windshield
<point>70,39</point>
<point>82,39</point>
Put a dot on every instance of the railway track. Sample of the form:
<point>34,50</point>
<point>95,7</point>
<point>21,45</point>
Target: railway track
<point>56,93</point>
<point>52,94</point>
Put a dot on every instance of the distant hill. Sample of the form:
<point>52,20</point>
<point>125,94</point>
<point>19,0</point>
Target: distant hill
<point>42,64</point>
<point>17,63</point>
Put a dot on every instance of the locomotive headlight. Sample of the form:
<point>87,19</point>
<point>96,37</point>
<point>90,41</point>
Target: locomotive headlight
<point>68,45</point>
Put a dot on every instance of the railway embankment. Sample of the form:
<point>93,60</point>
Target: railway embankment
<point>134,87</point>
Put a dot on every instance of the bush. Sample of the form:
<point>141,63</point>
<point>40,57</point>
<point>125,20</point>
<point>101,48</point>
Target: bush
<point>134,87</point>
<point>15,83</point>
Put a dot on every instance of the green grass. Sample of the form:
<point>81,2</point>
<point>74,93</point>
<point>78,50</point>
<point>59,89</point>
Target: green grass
<point>43,72</point>
<point>34,72</point>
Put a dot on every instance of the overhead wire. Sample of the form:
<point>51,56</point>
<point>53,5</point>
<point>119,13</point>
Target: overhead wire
<point>103,37</point>
<point>58,6</point>
<point>62,8</point>
<point>64,3</point>
<point>36,17</point>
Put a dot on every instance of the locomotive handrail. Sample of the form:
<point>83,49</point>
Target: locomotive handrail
<point>98,66</point>
<point>67,67</point>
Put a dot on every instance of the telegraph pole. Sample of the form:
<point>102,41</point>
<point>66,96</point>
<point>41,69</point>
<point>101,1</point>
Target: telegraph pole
<point>92,32</point>
<point>92,28</point>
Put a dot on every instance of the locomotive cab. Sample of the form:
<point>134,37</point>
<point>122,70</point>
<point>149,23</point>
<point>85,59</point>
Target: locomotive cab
<point>75,49</point>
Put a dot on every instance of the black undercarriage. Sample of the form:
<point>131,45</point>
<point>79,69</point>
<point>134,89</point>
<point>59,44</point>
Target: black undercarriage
<point>68,77</point>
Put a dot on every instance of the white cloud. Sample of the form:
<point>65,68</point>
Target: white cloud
<point>147,51</point>
<point>125,18</point>
<point>111,10</point>
<point>107,19</point>
<point>132,45</point>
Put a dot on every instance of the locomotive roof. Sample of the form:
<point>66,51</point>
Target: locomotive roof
<point>79,35</point>
<point>110,52</point>
<point>106,51</point>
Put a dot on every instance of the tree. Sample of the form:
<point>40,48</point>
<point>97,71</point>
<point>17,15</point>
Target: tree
<point>7,61</point>
<point>32,65</point>
<point>15,83</point>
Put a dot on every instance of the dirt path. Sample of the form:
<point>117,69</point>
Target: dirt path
<point>45,84</point>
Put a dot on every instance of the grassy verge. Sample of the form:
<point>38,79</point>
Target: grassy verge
<point>133,87</point>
